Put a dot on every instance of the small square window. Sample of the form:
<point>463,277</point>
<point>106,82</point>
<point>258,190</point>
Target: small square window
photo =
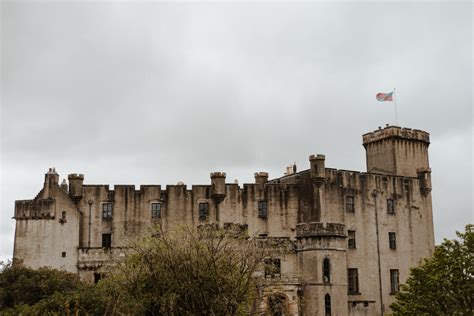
<point>394,281</point>
<point>392,240</point>
<point>106,241</point>
<point>351,239</point>
<point>350,204</point>
<point>155,210</point>
<point>63,215</point>
<point>272,267</point>
<point>390,206</point>
<point>203,211</point>
<point>63,254</point>
<point>262,209</point>
<point>107,210</point>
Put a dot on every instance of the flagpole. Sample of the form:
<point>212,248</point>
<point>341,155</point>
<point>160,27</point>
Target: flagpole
<point>395,100</point>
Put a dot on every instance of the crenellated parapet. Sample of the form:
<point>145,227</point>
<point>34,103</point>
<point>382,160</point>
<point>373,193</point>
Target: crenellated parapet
<point>35,209</point>
<point>396,132</point>
<point>316,229</point>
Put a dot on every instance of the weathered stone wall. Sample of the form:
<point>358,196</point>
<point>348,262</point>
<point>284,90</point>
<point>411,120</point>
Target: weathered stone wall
<point>308,208</point>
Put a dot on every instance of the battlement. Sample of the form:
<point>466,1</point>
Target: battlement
<point>396,132</point>
<point>75,176</point>
<point>315,229</point>
<point>218,175</point>
<point>317,157</point>
<point>261,174</point>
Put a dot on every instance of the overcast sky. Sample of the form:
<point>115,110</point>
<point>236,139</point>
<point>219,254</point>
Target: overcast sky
<point>156,93</point>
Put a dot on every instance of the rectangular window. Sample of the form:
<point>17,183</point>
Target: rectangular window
<point>63,215</point>
<point>155,210</point>
<point>272,267</point>
<point>350,204</point>
<point>63,254</point>
<point>203,211</point>
<point>106,240</point>
<point>262,209</point>
<point>351,239</point>
<point>107,209</point>
<point>390,206</point>
<point>392,240</point>
<point>352,281</point>
<point>394,281</point>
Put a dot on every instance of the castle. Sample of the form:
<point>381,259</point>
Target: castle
<point>355,235</point>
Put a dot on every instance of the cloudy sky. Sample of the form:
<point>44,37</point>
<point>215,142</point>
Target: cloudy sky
<point>156,93</point>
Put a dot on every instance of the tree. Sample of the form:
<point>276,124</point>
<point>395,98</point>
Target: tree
<point>185,272</point>
<point>443,284</point>
<point>20,285</point>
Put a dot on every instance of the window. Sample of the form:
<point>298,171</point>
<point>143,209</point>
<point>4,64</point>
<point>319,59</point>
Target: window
<point>107,209</point>
<point>106,240</point>
<point>262,209</point>
<point>390,206</point>
<point>351,239</point>
<point>326,271</point>
<point>272,267</point>
<point>97,277</point>
<point>327,305</point>
<point>350,204</point>
<point>155,210</point>
<point>203,211</point>
<point>352,281</point>
<point>392,240</point>
<point>63,254</point>
<point>63,215</point>
<point>394,281</point>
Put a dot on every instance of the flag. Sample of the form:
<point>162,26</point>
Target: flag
<point>384,96</point>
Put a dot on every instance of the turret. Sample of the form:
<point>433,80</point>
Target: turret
<point>218,186</point>
<point>261,178</point>
<point>318,168</point>
<point>424,177</point>
<point>75,186</point>
<point>396,151</point>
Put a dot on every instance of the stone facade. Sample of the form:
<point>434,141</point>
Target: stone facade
<point>352,236</point>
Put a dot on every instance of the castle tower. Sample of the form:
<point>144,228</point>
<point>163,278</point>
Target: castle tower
<point>75,186</point>
<point>396,151</point>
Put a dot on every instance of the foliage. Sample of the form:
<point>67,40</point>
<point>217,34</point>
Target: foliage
<point>20,285</point>
<point>444,284</point>
<point>204,272</point>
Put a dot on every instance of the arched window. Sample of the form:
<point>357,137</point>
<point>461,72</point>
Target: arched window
<point>327,305</point>
<point>326,271</point>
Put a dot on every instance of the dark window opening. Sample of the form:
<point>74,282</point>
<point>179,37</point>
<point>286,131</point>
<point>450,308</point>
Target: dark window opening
<point>351,239</point>
<point>155,210</point>
<point>350,204</point>
<point>394,281</point>
<point>352,281</point>
<point>63,215</point>
<point>203,211</point>
<point>392,240</point>
<point>107,209</point>
<point>327,305</point>
<point>63,254</point>
<point>97,277</point>
<point>326,271</point>
<point>272,267</point>
<point>106,241</point>
<point>262,209</point>
<point>390,206</point>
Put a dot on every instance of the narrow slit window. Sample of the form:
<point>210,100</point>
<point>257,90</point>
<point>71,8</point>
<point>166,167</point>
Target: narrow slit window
<point>351,239</point>
<point>326,271</point>
<point>327,305</point>
<point>392,240</point>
